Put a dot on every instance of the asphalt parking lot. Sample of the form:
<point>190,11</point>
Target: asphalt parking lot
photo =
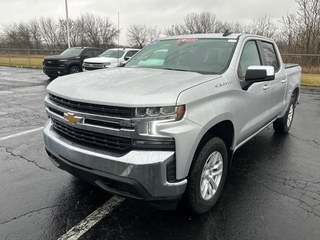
<point>272,191</point>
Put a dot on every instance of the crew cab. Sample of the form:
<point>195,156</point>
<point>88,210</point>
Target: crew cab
<point>165,131</point>
<point>69,61</point>
<point>113,57</point>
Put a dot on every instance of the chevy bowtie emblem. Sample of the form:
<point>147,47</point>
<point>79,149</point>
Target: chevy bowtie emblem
<point>71,118</point>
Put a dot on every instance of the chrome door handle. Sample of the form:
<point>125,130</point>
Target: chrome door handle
<point>284,81</point>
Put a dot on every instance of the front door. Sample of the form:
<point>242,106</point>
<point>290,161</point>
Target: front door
<point>253,99</point>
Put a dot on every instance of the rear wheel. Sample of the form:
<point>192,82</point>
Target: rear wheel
<point>74,69</point>
<point>284,124</point>
<point>207,176</point>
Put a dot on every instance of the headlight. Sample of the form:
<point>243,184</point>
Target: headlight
<point>154,113</point>
<point>106,64</point>
<point>148,120</point>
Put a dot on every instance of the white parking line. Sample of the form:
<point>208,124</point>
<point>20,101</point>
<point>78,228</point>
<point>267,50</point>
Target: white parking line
<point>20,134</point>
<point>77,231</point>
<point>87,223</point>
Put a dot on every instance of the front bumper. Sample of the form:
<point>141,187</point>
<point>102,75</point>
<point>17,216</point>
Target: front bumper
<point>137,174</point>
<point>55,71</point>
<point>90,67</point>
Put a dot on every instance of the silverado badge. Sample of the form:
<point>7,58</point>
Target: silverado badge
<point>71,118</point>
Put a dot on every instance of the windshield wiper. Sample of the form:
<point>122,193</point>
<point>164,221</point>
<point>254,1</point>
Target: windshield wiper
<point>174,69</point>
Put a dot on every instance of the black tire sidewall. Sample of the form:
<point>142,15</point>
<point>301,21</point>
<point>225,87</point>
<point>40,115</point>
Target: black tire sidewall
<point>281,126</point>
<point>194,199</point>
<point>287,128</point>
<point>74,67</point>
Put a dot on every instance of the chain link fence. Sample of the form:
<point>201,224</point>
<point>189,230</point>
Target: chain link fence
<point>310,63</point>
<point>32,58</point>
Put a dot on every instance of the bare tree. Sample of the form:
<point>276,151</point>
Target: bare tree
<point>301,31</point>
<point>140,35</point>
<point>204,22</point>
<point>49,32</point>
<point>18,35</point>
<point>177,29</point>
<point>76,33</point>
<point>264,26</point>
<point>35,33</point>
<point>99,32</point>
<point>154,33</point>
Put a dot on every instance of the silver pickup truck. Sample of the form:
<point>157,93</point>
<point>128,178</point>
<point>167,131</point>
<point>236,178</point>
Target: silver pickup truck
<point>164,127</point>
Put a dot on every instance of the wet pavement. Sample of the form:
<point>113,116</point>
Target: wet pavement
<point>272,190</point>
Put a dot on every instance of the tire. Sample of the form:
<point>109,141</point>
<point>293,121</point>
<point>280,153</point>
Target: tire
<point>74,69</point>
<point>207,176</point>
<point>284,124</point>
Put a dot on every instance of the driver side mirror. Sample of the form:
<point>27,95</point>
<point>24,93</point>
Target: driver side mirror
<point>259,74</point>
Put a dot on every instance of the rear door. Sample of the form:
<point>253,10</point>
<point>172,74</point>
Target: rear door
<point>279,85</point>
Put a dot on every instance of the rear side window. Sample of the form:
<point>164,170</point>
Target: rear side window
<point>96,52</point>
<point>131,53</point>
<point>250,56</point>
<point>87,52</point>
<point>270,54</point>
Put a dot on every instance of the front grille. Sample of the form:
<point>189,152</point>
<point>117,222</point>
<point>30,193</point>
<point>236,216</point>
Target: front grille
<point>93,139</point>
<point>93,108</point>
<point>93,65</point>
<point>51,63</point>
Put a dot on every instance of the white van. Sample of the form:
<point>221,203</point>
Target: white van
<point>109,58</point>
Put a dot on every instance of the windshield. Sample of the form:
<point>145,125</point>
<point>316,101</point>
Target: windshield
<point>72,52</point>
<point>112,53</point>
<point>207,56</point>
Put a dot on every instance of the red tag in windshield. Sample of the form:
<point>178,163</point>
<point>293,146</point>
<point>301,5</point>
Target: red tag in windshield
<point>187,40</point>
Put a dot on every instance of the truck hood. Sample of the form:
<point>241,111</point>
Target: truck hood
<point>127,87</point>
<point>100,60</point>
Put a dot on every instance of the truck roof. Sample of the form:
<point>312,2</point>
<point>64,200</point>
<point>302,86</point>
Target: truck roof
<point>124,49</point>
<point>86,47</point>
<point>214,35</point>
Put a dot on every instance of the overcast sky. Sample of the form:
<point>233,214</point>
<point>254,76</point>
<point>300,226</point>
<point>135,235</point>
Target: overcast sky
<point>161,13</point>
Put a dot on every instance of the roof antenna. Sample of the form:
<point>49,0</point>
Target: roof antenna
<point>227,33</point>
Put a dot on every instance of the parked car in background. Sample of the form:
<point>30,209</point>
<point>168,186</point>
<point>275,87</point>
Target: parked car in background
<point>110,58</point>
<point>156,59</point>
<point>69,61</point>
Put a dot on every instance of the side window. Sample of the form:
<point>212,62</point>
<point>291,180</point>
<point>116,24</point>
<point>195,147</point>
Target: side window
<point>250,56</point>
<point>87,52</point>
<point>271,56</point>
<point>96,52</point>
<point>131,53</point>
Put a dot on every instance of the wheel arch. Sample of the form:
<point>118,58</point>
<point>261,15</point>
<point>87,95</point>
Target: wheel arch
<point>75,65</point>
<point>225,131</point>
<point>296,94</point>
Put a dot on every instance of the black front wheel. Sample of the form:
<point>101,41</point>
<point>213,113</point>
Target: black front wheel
<point>74,69</point>
<point>207,176</point>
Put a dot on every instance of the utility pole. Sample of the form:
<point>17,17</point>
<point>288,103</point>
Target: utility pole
<point>68,32</point>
